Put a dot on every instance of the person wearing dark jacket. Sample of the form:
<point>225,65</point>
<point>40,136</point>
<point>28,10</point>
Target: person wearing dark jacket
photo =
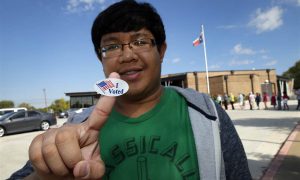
<point>257,100</point>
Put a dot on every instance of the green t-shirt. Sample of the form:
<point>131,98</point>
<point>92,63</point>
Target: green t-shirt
<point>158,145</point>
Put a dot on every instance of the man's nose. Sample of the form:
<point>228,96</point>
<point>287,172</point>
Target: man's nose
<point>127,54</point>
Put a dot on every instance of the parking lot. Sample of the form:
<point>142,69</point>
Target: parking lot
<point>261,131</point>
<point>13,150</point>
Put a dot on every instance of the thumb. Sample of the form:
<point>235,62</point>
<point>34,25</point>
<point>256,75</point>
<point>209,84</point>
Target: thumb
<point>89,169</point>
<point>102,109</point>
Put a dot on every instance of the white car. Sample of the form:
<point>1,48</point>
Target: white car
<point>72,112</point>
<point>9,110</point>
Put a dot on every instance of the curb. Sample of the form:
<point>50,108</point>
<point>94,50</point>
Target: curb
<point>277,161</point>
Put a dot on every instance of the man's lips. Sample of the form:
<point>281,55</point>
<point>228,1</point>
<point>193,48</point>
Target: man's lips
<point>130,71</point>
<point>130,74</point>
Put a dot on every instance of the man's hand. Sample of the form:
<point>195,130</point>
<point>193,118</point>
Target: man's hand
<point>72,151</point>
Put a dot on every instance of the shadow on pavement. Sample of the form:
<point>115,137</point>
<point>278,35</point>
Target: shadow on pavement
<point>267,122</point>
<point>289,169</point>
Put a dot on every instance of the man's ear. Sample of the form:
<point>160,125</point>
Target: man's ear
<point>162,51</point>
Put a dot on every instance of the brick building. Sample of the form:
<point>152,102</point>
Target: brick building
<point>235,81</point>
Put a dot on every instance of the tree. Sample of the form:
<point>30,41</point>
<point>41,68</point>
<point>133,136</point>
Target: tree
<point>294,72</point>
<point>26,105</point>
<point>42,109</point>
<point>7,104</point>
<point>60,105</point>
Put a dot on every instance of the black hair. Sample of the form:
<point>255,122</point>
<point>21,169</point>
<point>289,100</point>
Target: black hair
<point>126,16</point>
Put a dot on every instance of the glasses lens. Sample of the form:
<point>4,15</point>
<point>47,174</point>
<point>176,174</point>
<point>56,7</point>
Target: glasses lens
<point>111,50</point>
<point>114,50</point>
<point>142,45</point>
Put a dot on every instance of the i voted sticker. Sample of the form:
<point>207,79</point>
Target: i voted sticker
<point>111,87</point>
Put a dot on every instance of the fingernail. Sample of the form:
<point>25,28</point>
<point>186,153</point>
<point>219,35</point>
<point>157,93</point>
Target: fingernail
<point>84,170</point>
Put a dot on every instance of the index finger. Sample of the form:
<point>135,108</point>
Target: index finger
<point>102,109</point>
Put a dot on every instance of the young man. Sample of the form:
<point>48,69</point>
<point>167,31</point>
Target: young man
<point>151,132</point>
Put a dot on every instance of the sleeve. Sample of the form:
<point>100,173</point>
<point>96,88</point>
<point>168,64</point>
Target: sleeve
<point>23,172</point>
<point>235,160</point>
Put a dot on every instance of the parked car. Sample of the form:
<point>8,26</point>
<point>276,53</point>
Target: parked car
<point>73,111</point>
<point>25,121</point>
<point>9,110</point>
<point>63,114</point>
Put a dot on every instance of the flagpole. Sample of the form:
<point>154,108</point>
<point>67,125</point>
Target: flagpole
<point>206,69</point>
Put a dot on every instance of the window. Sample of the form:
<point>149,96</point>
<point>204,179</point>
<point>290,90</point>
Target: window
<point>8,111</point>
<point>33,114</point>
<point>87,101</point>
<point>81,102</point>
<point>18,115</point>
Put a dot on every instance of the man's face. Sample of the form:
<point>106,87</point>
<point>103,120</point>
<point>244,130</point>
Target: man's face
<point>141,70</point>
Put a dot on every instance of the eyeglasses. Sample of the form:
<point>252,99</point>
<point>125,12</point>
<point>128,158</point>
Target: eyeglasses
<point>137,46</point>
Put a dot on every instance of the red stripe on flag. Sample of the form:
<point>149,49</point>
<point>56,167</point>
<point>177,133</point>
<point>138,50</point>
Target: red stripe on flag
<point>196,42</point>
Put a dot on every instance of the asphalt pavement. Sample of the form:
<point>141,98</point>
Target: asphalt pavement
<point>14,150</point>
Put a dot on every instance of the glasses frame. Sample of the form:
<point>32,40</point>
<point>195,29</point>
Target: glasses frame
<point>101,50</point>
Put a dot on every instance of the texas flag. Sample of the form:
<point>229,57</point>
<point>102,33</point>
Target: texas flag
<point>198,40</point>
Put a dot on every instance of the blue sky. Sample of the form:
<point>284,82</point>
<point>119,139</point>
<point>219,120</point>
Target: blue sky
<point>46,44</point>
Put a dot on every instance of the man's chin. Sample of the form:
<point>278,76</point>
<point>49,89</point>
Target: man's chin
<point>134,93</point>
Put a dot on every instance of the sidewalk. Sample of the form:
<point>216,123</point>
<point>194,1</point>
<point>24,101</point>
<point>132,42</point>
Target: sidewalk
<point>286,164</point>
<point>263,133</point>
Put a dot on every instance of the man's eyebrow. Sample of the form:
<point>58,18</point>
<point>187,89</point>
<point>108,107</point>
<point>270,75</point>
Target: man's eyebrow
<point>132,36</point>
<point>136,35</point>
<point>111,38</point>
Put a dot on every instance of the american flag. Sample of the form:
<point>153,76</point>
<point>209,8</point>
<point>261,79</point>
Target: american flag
<point>104,85</point>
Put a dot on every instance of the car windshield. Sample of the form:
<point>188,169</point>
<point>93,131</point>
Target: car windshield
<point>6,115</point>
<point>72,110</point>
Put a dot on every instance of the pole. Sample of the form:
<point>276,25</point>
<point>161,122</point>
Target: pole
<point>206,69</point>
<point>45,97</point>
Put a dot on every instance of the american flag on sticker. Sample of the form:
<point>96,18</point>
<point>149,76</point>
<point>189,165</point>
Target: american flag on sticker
<point>104,85</point>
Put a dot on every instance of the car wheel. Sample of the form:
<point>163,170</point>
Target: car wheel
<point>2,131</point>
<point>45,125</point>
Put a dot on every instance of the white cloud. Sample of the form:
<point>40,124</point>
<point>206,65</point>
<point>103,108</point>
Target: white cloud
<point>271,63</point>
<point>239,49</point>
<point>240,62</point>
<point>82,5</point>
<point>176,60</point>
<point>268,20</point>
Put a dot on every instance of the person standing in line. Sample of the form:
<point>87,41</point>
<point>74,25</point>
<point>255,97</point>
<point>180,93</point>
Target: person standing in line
<point>251,99</point>
<point>232,100</point>
<point>273,100</point>
<point>285,99</point>
<point>265,100</point>
<point>257,99</point>
<point>279,99</point>
<point>241,101</point>
<point>226,101</point>
<point>219,99</point>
